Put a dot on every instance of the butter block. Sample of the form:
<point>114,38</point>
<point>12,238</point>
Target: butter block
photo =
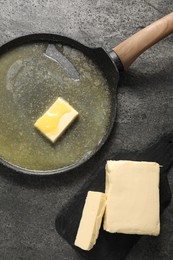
<point>56,119</point>
<point>91,219</point>
<point>132,190</point>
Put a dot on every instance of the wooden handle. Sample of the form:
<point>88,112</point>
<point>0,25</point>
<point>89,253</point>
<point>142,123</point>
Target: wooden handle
<point>130,49</point>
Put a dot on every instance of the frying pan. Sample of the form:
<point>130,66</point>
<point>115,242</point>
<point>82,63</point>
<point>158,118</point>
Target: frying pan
<point>110,64</point>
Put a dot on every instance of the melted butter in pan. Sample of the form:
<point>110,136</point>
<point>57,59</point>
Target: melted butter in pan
<point>29,84</point>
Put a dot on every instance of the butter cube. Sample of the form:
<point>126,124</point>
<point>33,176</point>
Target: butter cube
<point>132,190</point>
<point>56,119</point>
<point>91,219</point>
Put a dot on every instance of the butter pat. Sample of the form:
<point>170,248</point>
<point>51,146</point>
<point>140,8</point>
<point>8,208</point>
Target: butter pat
<point>132,190</point>
<point>56,119</point>
<point>91,220</point>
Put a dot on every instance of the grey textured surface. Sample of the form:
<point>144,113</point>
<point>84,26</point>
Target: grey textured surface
<point>28,205</point>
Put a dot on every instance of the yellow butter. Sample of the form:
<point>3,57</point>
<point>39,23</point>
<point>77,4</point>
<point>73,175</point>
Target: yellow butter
<point>132,190</point>
<point>56,119</point>
<point>91,219</point>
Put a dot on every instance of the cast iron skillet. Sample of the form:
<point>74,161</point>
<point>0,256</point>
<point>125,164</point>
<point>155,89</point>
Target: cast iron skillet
<point>119,59</point>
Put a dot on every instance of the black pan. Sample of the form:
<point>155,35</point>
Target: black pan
<point>15,151</point>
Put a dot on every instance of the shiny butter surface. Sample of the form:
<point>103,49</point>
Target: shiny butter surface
<point>56,119</point>
<point>30,83</point>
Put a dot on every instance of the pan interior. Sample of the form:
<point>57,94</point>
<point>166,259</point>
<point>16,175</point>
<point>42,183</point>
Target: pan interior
<point>29,84</point>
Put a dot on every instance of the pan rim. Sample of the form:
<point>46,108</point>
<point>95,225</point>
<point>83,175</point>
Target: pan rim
<point>56,38</point>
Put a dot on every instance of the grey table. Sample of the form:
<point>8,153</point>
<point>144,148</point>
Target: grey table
<point>28,205</point>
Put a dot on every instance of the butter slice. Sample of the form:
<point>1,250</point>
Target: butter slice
<point>91,219</point>
<point>56,119</point>
<point>132,190</point>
